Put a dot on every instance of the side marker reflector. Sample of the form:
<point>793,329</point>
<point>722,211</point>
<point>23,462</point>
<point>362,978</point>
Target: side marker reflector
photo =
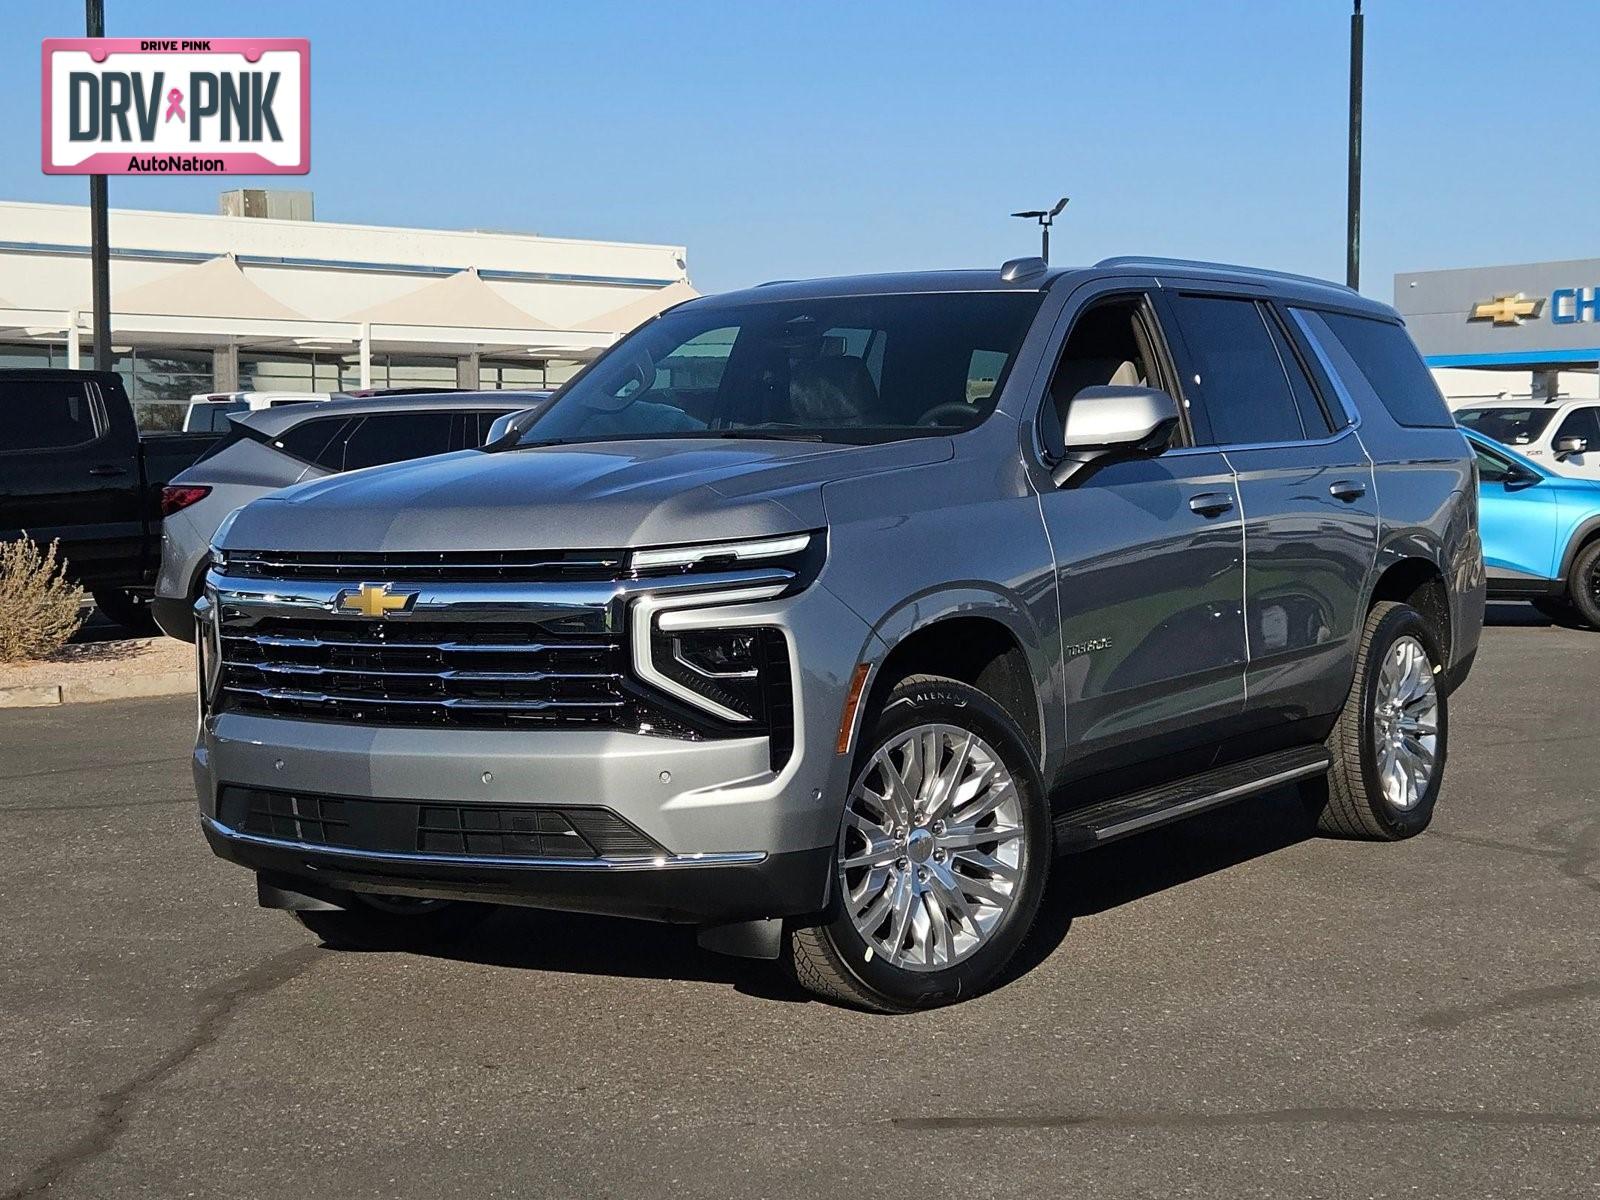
<point>847,719</point>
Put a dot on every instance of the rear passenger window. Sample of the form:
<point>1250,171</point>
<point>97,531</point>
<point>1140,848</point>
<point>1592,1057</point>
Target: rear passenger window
<point>393,437</point>
<point>45,414</point>
<point>1385,359</point>
<point>1242,384</point>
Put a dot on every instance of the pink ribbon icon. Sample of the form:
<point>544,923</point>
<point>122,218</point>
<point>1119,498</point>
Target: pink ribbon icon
<point>174,106</point>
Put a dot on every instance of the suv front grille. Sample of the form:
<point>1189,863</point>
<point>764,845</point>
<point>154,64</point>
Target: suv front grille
<point>432,827</point>
<point>425,673</point>
<point>461,566</point>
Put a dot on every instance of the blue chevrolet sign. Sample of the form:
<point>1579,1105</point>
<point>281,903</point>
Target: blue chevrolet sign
<point>1568,306</point>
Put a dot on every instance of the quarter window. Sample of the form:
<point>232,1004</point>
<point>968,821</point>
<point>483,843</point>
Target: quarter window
<point>1385,359</point>
<point>1242,385</point>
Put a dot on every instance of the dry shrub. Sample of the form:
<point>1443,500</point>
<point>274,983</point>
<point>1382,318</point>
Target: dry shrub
<point>39,608</point>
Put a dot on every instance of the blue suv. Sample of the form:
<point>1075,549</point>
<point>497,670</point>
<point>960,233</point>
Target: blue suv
<point>1541,534</point>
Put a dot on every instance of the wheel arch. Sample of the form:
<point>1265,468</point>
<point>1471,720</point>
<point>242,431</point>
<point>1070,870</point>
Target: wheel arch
<point>1417,580</point>
<point>973,636</point>
<point>1578,540</point>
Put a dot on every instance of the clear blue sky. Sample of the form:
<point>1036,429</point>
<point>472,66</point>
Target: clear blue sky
<point>777,141</point>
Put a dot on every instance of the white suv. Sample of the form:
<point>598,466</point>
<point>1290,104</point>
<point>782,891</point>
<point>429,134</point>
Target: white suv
<point>1563,435</point>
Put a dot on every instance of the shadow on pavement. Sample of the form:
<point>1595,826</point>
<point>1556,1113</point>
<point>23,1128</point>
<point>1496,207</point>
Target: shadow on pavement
<point>530,939</point>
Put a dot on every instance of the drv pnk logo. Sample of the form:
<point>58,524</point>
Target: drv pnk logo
<point>129,106</point>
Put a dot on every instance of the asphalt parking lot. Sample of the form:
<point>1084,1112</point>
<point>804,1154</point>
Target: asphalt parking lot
<point>1231,1008</point>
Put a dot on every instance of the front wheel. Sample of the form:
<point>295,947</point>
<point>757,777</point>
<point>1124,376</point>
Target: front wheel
<point>1389,744</point>
<point>943,851</point>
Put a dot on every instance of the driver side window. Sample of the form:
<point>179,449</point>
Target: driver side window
<point>1109,344</point>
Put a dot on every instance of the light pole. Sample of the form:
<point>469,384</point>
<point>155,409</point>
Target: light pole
<point>1046,218</point>
<point>99,250</point>
<point>1352,248</point>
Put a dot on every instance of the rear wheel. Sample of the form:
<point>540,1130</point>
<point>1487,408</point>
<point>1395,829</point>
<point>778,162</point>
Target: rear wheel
<point>1390,742</point>
<point>1583,584</point>
<point>392,922</point>
<point>131,610</point>
<point>943,851</point>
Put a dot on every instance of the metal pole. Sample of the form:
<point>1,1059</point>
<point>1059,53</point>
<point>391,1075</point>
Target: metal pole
<point>99,241</point>
<point>1352,260</point>
<point>1044,253</point>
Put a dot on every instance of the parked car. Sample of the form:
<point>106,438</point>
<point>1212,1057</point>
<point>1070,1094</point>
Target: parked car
<point>1563,435</point>
<point>271,449</point>
<point>824,616</point>
<point>75,469</point>
<point>209,411</point>
<point>1541,533</point>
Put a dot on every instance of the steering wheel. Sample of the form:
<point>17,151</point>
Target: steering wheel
<point>934,418</point>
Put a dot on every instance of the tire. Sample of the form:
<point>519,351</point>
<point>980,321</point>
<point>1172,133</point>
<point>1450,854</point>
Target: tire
<point>128,609</point>
<point>1358,804</point>
<point>1561,611</point>
<point>392,922</point>
<point>972,903</point>
<point>1583,584</point>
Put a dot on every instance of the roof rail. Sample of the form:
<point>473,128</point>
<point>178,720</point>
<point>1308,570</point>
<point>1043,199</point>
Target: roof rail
<point>1144,260</point>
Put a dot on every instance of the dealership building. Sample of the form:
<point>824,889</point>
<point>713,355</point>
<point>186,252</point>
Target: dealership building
<point>205,303</point>
<point>1529,331</point>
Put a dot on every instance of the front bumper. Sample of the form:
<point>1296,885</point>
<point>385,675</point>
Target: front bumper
<point>740,839</point>
<point>708,889</point>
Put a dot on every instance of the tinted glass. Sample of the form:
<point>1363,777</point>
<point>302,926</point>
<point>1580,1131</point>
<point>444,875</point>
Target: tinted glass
<point>1584,423</point>
<point>1388,360</point>
<point>1491,467</point>
<point>1509,426</point>
<point>392,437</point>
<point>1312,415</point>
<point>319,442</point>
<point>1242,385</point>
<point>835,368</point>
<point>46,414</point>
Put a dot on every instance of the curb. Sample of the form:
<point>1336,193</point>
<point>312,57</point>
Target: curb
<point>43,695</point>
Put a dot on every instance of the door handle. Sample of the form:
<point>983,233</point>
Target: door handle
<point>1347,490</point>
<point>1211,504</point>
<point>108,469</point>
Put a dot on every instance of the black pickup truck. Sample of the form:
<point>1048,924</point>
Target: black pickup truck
<point>74,469</point>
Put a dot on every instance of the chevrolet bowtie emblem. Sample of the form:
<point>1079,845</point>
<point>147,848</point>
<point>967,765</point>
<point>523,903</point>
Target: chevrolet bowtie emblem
<point>1506,310</point>
<point>375,600</point>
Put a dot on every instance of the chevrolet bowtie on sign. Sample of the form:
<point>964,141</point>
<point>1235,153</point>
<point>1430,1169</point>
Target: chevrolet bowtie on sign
<point>151,106</point>
<point>1506,310</point>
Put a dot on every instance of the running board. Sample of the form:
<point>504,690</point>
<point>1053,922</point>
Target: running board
<point>1106,821</point>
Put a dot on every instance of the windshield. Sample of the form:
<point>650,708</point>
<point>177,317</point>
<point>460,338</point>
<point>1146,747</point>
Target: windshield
<point>1508,426</point>
<point>843,368</point>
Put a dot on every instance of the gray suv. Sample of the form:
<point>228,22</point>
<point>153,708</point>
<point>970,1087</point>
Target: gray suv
<point>828,616</point>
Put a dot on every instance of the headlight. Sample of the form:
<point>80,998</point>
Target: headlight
<point>219,558</point>
<point>790,550</point>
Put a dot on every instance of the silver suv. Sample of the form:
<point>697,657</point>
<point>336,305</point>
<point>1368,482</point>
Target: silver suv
<point>828,616</point>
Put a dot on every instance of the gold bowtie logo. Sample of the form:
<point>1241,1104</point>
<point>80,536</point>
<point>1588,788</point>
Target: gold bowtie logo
<point>375,600</point>
<point>1506,310</point>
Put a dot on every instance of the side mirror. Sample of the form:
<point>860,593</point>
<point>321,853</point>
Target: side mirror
<point>1571,444</point>
<point>1109,420</point>
<point>508,429</point>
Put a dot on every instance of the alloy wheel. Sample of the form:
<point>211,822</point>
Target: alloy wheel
<point>931,853</point>
<point>1405,718</point>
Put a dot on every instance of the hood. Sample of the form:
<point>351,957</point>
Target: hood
<point>604,495</point>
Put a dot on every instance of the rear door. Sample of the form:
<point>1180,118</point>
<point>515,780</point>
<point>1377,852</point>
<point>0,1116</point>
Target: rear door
<point>1149,562</point>
<point>69,472</point>
<point>1307,494</point>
